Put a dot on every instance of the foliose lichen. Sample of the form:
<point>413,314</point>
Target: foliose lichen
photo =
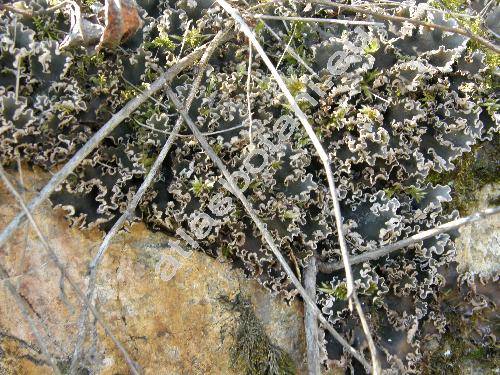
<point>409,104</point>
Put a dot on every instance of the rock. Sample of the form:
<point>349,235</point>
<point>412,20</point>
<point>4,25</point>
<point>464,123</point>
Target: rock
<point>175,327</point>
<point>478,247</point>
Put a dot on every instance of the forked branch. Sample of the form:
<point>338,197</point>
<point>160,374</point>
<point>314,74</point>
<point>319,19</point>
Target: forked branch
<point>54,258</point>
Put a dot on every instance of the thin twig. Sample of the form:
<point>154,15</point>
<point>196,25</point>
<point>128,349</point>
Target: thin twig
<point>329,175</point>
<point>184,38</point>
<point>400,4</point>
<point>287,46</point>
<point>31,14</point>
<point>187,135</point>
<point>13,9</point>
<point>129,212</point>
<point>483,11</point>
<point>316,20</point>
<point>291,51</point>
<point>167,109</point>
<point>261,226</point>
<point>28,272</point>
<point>58,263</point>
<point>23,306</point>
<point>310,321</point>
<point>249,82</point>
<point>18,72</point>
<point>55,7</point>
<point>486,43</point>
<point>328,267</point>
<point>26,229</point>
<point>93,142</point>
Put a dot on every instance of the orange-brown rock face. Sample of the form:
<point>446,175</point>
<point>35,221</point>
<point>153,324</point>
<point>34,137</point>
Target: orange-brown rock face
<point>175,327</point>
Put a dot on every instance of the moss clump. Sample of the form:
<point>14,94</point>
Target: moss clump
<point>472,171</point>
<point>339,292</point>
<point>295,85</point>
<point>45,28</point>
<point>253,352</point>
<point>199,186</point>
<point>162,42</point>
<point>457,352</point>
<point>414,192</point>
<point>194,38</point>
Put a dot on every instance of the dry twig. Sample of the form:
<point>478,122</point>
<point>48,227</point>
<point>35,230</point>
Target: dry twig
<point>310,321</point>
<point>23,306</point>
<point>186,135</point>
<point>249,103</point>
<point>329,175</point>
<point>316,20</point>
<point>386,250</point>
<point>291,51</point>
<point>387,17</point>
<point>30,13</point>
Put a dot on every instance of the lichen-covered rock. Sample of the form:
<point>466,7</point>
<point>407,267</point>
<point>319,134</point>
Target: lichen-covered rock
<point>391,105</point>
<point>180,326</point>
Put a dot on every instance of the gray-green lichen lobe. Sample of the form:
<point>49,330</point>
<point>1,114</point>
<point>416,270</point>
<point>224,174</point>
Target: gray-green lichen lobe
<point>411,125</point>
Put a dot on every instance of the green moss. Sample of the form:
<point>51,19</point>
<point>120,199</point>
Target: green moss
<point>128,94</point>
<point>217,148</point>
<point>89,3</point>
<point>84,64</point>
<point>259,27</point>
<point>253,352</point>
<point>264,84</point>
<point>366,83</point>
<point>369,112</point>
<point>450,5</point>
<point>101,83</point>
<point>227,252</point>
<point>211,84</point>
<point>372,46</point>
<point>472,171</point>
<point>414,192</point>
<point>198,187</point>
<point>277,164</point>
<point>194,38</point>
<point>457,351</point>
<point>147,161</point>
<point>372,289</point>
<point>295,85</point>
<point>474,25</point>
<point>339,292</point>
<point>290,215</point>
<point>45,28</point>
<point>162,41</point>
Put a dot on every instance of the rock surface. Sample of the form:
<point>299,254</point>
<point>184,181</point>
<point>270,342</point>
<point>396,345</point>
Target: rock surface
<point>175,327</point>
<point>478,247</point>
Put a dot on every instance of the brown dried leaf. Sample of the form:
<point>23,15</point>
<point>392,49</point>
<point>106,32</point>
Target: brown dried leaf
<point>122,21</point>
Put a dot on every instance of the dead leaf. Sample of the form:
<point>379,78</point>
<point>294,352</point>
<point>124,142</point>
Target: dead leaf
<point>122,21</point>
